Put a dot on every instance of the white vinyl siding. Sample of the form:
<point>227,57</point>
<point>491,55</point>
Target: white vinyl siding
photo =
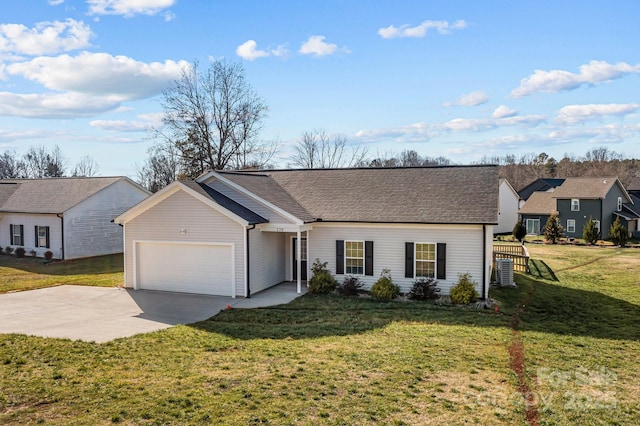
<point>267,258</point>
<point>533,226</point>
<point>464,249</point>
<point>182,218</point>
<point>508,208</point>
<point>88,227</point>
<point>425,260</point>
<point>29,222</point>
<point>571,225</point>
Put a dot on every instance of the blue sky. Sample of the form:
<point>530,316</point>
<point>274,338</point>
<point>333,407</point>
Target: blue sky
<point>459,79</point>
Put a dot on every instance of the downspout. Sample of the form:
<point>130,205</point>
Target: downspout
<point>248,263</point>
<point>61,234</point>
<point>484,263</point>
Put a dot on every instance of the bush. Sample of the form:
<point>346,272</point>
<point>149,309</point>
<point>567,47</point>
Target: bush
<point>20,252</point>
<point>8,250</point>
<point>553,230</point>
<point>519,231</point>
<point>590,232</point>
<point>351,286</point>
<point>32,253</point>
<point>48,255</point>
<point>322,281</point>
<point>424,289</point>
<point>618,233</point>
<point>464,292</point>
<point>384,289</point>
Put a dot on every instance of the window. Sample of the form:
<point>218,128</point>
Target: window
<point>425,260</point>
<point>354,257</point>
<point>533,226</point>
<point>575,205</point>
<point>619,203</point>
<point>42,236</point>
<point>571,225</point>
<point>17,235</point>
<point>597,225</point>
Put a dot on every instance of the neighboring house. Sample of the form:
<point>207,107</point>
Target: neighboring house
<point>508,208</point>
<point>538,185</point>
<point>237,233</point>
<point>71,217</point>
<point>575,201</point>
<point>633,188</point>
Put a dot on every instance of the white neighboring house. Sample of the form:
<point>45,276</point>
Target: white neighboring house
<point>71,217</point>
<point>508,209</point>
<point>237,233</point>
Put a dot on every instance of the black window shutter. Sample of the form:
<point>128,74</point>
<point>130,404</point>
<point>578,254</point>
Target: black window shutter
<point>339,256</point>
<point>11,234</point>
<point>36,228</point>
<point>21,235</point>
<point>408,260</point>
<point>441,265</point>
<point>47,230</point>
<point>368,257</point>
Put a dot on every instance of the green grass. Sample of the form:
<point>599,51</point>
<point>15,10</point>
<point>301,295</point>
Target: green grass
<point>29,273</point>
<point>332,360</point>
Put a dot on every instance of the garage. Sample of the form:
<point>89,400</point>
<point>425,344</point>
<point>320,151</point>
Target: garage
<point>201,268</point>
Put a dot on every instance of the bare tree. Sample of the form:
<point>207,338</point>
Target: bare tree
<point>318,149</point>
<point>161,167</point>
<point>10,166</point>
<point>213,118</point>
<point>87,166</point>
<point>38,163</point>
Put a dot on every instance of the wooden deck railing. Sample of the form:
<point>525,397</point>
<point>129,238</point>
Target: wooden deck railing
<point>516,252</point>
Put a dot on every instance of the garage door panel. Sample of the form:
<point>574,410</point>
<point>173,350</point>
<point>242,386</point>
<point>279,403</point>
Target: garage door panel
<point>188,268</point>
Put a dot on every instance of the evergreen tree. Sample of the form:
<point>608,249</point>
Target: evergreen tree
<point>519,231</point>
<point>553,230</point>
<point>618,233</point>
<point>590,232</point>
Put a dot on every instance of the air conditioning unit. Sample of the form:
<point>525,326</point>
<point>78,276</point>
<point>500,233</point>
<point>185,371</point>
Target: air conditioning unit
<point>505,272</point>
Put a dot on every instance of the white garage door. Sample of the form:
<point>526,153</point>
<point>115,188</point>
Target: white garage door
<point>186,268</point>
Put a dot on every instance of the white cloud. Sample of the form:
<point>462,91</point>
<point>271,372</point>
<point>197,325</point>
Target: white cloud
<point>249,51</point>
<point>572,114</point>
<point>315,45</point>
<point>100,74</point>
<point>128,8</point>
<point>478,97</point>
<point>144,123</point>
<point>419,31</point>
<point>54,105</point>
<point>44,37</point>
<point>504,111</point>
<point>554,81</point>
<point>55,2</point>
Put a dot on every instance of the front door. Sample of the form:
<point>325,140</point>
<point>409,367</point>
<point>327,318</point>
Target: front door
<point>303,259</point>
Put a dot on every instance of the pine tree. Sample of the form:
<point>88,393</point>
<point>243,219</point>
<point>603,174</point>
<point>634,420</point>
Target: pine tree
<point>519,231</point>
<point>618,233</point>
<point>553,230</point>
<point>590,232</point>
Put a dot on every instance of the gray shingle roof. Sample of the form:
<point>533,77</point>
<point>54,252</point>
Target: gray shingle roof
<point>226,202</point>
<point>593,188</point>
<point>539,203</point>
<point>454,194</point>
<point>51,195</point>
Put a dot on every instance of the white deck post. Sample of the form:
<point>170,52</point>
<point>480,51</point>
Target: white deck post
<point>299,262</point>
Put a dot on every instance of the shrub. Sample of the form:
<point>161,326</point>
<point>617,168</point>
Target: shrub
<point>590,232</point>
<point>384,288</point>
<point>8,250</point>
<point>464,292</point>
<point>519,231</point>
<point>1,250</point>
<point>48,255</point>
<point>424,289</point>
<point>32,253</point>
<point>553,230</point>
<point>618,233</point>
<point>351,286</point>
<point>20,252</point>
<point>322,281</point>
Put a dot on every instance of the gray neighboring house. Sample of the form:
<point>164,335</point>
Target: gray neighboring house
<point>575,201</point>
<point>237,233</point>
<point>71,217</point>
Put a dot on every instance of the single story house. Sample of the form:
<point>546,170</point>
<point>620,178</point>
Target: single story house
<point>237,233</point>
<point>575,201</point>
<point>508,208</point>
<point>71,217</point>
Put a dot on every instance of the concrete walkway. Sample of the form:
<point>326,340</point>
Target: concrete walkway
<point>102,314</point>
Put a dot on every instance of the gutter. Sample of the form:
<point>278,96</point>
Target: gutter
<point>248,263</point>
<point>61,216</point>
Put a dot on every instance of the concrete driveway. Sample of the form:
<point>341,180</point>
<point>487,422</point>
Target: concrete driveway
<point>102,314</point>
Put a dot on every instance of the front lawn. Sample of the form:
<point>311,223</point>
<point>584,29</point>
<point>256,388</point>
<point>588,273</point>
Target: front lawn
<point>331,360</point>
<point>29,273</point>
